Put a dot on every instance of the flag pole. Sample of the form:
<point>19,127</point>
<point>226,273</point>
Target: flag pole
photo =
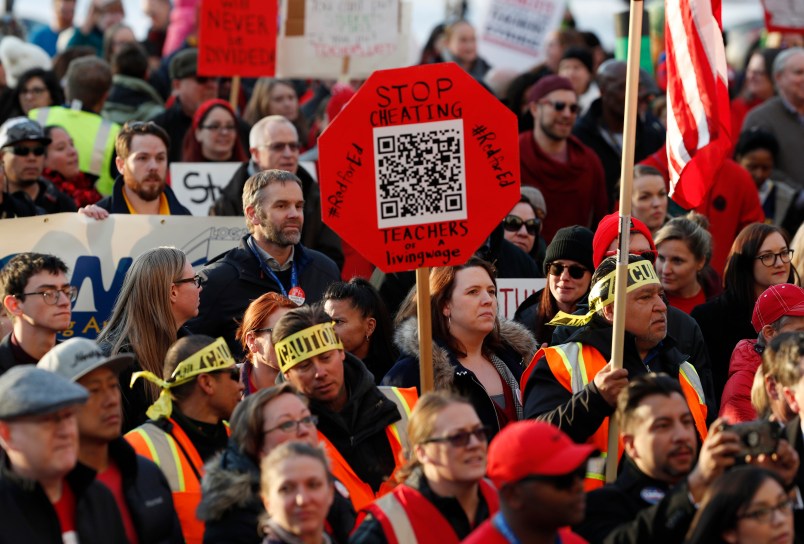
<point>624,229</point>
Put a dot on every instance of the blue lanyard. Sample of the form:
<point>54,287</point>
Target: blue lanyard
<point>294,280</point>
<point>502,526</point>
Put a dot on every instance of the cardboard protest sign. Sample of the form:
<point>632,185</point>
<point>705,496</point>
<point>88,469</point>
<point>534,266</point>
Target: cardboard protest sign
<point>340,38</point>
<point>784,15</point>
<point>98,253</point>
<point>511,292</point>
<point>237,38</point>
<point>198,184</point>
<point>419,167</point>
<point>514,33</point>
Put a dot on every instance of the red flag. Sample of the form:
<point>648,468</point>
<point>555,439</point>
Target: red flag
<point>698,116</point>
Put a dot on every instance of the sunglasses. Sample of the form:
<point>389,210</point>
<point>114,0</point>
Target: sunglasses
<point>512,223</point>
<point>562,481</point>
<point>197,280</point>
<point>461,439</point>
<point>23,151</point>
<point>559,106</point>
<point>233,372</point>
<point>201,80</point>
<point>648,255</point>
<point>575,271</point>
<point>277,147</point>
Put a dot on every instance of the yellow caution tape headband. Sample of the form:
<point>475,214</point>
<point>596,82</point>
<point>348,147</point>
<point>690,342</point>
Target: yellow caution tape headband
<point>640,274</point>
<point>215,356</point>
<point>305,344</point>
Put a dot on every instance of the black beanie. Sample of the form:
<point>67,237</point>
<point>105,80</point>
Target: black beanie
<point>571,243</point>
<point>582,55</point>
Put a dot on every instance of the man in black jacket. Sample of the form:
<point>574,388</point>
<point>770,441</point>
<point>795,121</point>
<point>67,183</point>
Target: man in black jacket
<point>270,259</point>
<point>44,495</point>
<point>143,495</point>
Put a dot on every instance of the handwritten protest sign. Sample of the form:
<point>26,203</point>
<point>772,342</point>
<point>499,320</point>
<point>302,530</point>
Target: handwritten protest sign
<point>511,292</point>
<point>514,33</point>
<point>237,38</point>
<point>339,38</point>
<point>198,184</point>
<point>784,15</point>
<point>98,253</point>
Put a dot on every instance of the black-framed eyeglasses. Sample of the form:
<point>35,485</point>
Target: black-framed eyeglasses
<point>575,271</point>
<point>292,425</point>
<point>765,515</point>
<point>512,223</point>
<point>24,151</point>
<point>461,438</point>
<point>648,255</point>
<point>278,147</point>
<point>51,296</point>
<point>36,91</point>
<point>197,280</point>
<point>219,128</point>
<point>262,330</point>
<point>559,105</point>
<point>233,372</point>
<point>769,259</point>
<point>560,481</point>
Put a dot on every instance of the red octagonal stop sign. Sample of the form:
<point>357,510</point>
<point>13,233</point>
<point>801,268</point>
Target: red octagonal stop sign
<point>419,167</point>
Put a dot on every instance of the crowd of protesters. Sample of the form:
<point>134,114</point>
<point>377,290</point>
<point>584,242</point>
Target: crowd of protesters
<point>273,395</point>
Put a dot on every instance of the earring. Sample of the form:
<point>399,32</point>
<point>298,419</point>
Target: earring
<point>449,321</point>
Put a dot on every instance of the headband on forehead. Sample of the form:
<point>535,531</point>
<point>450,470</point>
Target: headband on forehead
<point>215,356</point>
<point>306,343</point>
<point>640,274</point>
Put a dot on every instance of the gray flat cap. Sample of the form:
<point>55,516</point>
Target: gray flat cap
<point>184,64</point>
<point>28,391</point>
<point>77,357</point>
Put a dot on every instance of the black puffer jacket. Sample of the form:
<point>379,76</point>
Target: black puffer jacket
<point>231,507</point>
<point>27,516</point>
<point>449,374</point>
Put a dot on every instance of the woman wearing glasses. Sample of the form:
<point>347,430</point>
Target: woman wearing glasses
<point>260,368</point>
<point>475,353</point>
<point>568,267</point>
<point>231,505</point>
<point>36,88</point>
<point>213,136</point>
<point>443,495</point>
<point>759,257</point>
<point>160,293</point>
<point>685,249</point>
<point>744,506</point>
<point>523,225</point>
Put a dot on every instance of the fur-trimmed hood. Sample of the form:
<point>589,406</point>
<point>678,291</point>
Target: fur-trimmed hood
<point>229,484</point>
<point>515,337</point>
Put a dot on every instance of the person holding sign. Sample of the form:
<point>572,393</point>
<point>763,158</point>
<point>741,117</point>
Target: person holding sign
<point>475,353</point>
<point>362,427</point>
<point>213,135</point>
<point>574,386</point>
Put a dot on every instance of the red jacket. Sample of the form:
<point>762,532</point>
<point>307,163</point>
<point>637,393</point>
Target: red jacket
<point>486,533</point>
<point>574,192</point>
<point>735,404</point>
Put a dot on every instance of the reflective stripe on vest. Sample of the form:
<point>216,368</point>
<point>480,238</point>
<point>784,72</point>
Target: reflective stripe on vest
<point>161,448</point>
<point>360,493</point>
<point>693,391</point>
<point>407,517</point>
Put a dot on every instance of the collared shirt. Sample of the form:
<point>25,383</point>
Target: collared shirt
<point>789,107</point>
<point>164,209</point>
<point>271,261</point>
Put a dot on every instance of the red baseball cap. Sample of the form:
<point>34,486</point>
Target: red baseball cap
<point>777,301</point>
<point>606,233</point>
<point>527,448</point>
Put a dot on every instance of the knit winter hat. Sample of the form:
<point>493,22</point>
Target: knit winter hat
<point>547,85</point>
<point>18,57</point>
<point>580,54</point>
<point>571,243</point>
<point>606,233</point>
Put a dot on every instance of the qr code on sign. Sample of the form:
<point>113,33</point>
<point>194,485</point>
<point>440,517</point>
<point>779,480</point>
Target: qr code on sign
<point>420,173</point>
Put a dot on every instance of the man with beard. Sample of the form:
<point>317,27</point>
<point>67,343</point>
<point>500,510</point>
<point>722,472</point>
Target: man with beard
<point>655,495</point>
<point>269,259</point>
<point>142,157</point>
<point>568,173</point>
<point>22,151</point>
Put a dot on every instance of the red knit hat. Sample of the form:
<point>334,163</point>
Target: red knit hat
<point>204,108</point>
<point>547,85</point>
<point>606,233</point>
<point>341,93</point>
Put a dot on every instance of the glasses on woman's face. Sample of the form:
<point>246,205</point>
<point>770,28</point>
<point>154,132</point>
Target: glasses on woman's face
<point>215,127</point>
<point>575,271</point>
<point>512,223</point>
<point>294,425</point>
<point>765,515</point>
<point>769,259</point>
<point>197,280</point>
<point>461,439</point>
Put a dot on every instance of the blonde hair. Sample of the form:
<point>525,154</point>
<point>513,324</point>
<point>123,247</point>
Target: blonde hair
<point>797,245</point>
<point>142,319</point>
<point>759,397</point>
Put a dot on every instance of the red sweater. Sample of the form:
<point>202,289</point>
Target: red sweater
<point>574,192</point>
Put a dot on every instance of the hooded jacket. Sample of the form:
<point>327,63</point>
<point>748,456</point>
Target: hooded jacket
<point>735,405</point>
<point>131,98</point>
<point>449,374</point>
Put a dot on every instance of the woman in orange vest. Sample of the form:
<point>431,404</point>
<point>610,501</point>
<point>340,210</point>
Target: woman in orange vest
<point>443,496</point>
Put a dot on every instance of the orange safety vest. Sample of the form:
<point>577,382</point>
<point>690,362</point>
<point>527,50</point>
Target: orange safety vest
<point>360,492</point>
<point>182,466</point>
<point>574,365</point>
<point>407,517</point>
